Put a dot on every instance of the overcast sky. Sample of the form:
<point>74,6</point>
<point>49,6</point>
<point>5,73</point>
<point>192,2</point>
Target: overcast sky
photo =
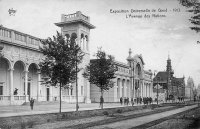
<point>152,37</point>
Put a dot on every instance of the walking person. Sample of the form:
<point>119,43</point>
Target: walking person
<point>120,100</point>
<point>132,101</point>
<point>31,103</point>
<point>101,102</point>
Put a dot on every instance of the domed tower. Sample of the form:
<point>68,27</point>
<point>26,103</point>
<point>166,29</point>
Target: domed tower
<point>130,60</point>
<point>78,25</point>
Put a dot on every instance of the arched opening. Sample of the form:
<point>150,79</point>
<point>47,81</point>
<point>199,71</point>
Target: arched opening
<point>123,88</point>
<point>118,88</point>
<point>73,38</point>
<point>18,78</point>
<point>86,43</point>
<point>128,88</point>
<point>67,37</point>
<point>32,81</point>
<point>137,88</point>
<point>138,70</point>
<point>4,76</point>
<point>82,41</point>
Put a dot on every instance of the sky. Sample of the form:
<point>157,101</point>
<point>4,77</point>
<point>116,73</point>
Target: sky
<point>155,37</point>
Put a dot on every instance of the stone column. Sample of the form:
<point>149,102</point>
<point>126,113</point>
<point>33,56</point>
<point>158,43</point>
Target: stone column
<point>120,88</point>
<point>128,89</point>
<point>149,89</point>
<point>88,92</point>
<point>26,84</point>
<point>133,88</point>
<point>11,86</point>
<point>38,86</point>
<point>146,86</point>
<point>141,91</point>
<point>125,89</point>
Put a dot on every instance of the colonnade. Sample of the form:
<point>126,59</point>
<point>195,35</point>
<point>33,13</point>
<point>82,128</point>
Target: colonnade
<point>20,82</point>
<point>140,89</point>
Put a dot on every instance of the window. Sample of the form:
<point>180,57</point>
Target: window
<point>1,90</point>
<point>71,91</point>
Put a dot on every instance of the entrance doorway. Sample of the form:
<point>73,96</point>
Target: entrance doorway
<point>47,94</point>
<point>29,91</point>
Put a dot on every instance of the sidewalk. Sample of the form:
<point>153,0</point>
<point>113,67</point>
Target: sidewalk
<point>20,110</point>
<point>7,111</point>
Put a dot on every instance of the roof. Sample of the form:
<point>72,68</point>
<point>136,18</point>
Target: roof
<point>61,24</point>
<point>162,75</point>
<point>178,81</point>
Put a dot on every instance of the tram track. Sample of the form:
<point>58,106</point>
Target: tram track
<point>119,118</point>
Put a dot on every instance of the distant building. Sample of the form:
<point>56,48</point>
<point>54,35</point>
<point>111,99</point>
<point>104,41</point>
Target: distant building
<point>189,89</point>
<point>198,90</point>
<point>131,81</point>
<point>171,86</point>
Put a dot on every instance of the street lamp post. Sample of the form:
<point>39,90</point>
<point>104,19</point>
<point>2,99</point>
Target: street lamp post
<point>76,85</point>
<point>157,93</point>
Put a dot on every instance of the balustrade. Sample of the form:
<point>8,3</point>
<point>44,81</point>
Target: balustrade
<point>5,32</point>
<point>19,97</point>
<point>18,38</point>
<point>77,15</point>
<point>4,97</point>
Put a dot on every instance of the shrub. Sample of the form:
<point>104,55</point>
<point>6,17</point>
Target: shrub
<point>112,115</point>
<point>23,125</point>
<point>105,113</point>
<point>64,116</point>
<point>30,124</point>
<point>119,110</point>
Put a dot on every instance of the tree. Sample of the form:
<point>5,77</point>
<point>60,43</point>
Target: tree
<point>101,71</point>
<point>61,57</point>
<point>193,6</point>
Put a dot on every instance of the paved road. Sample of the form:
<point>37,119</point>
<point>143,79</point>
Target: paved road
<point>126,124</point>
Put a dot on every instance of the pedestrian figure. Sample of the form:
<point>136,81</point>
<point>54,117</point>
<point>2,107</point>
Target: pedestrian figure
<point>120,100</point>
<point>132,101</point>
<point>101,102</point>
<point>127,101</point>
<point>150,100</point>
<point>16,91</point>
<point>31,103</point>
<point>178,99</point>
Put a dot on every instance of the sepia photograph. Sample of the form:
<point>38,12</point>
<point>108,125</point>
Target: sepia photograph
<point>99,64</point>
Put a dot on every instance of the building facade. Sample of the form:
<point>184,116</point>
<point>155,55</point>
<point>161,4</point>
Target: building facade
<point>189,89</point>
<point>20,77</point>
<point>170,86</point>
<point>198,91</point>
<point>131,81</point>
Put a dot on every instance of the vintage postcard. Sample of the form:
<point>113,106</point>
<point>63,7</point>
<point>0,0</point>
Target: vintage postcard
<point>99,64</point>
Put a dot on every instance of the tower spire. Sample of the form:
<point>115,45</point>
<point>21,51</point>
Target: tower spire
<point>168,55</point>
<point>169,66</point>
<point>130,52</point>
